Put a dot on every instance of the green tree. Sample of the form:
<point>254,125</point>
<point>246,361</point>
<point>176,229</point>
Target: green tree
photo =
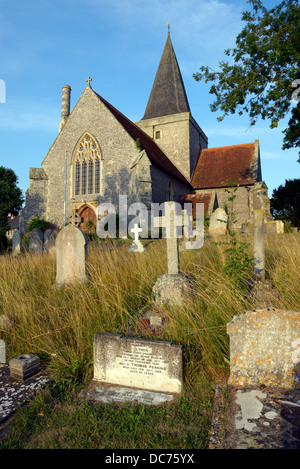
<point>11,199</point>
<point>264,69</point>
<point>285,202</point>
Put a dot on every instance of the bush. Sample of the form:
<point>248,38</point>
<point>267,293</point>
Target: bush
<point>38,223</point>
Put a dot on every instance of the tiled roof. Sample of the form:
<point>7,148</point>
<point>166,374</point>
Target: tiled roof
<point>196,199</point>
<point>239,164</point>
<point>14,223</point>
<point>154,153</point>
<point>168,95</point>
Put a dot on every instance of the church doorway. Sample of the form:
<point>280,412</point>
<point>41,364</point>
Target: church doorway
<point>88,220</point>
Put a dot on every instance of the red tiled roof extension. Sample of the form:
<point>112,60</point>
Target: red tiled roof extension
<point>234,163</point>
<point>195,199</point>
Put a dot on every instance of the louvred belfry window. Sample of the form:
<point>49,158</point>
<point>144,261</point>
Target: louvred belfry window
<point>87,166</point>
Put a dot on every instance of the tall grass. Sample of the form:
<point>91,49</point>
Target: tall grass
<point>59,324</point>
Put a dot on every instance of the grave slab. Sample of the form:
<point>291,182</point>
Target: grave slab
<point>24,366</point>
<point>138,363</point>
<point>112,394</point>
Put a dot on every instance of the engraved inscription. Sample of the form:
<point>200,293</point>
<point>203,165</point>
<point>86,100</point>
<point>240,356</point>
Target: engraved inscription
<point>140,360</point>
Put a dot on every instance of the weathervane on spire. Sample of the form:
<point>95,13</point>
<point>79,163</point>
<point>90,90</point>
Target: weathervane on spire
<point>168,23</point>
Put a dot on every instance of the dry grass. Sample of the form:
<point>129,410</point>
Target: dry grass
<point>59,325</point>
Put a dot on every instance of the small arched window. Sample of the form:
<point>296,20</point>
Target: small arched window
<point>87,166</point>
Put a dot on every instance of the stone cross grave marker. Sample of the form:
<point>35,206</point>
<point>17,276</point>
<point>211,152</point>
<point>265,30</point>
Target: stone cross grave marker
<point>261,291</point>
<point>259,245</point>
<point>71,243</point>
<point>136,246</point>
<point>265,348</point>
<point>36,241</point>
<point>170,221</point>
<point>174,286</point>
<point>16,243</point>
<point>75,218</point>
<point>147,371</point>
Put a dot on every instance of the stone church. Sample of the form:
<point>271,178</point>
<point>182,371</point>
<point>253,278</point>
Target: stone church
<point>99,153</point>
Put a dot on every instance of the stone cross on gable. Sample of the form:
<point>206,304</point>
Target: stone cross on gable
<point>75,218</point>
<point>171,221</point>
<point>89,80</point>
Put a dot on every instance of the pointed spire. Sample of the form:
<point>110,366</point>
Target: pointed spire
<point>168,94</point>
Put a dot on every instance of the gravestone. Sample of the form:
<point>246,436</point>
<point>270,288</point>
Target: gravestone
<point>16,243</point>
<point>2,352</point>
<point>49,240</point>
<point>36,241</point>
<point>136,245</point>
<point>24,366</point>
<point>218,222</point>
<point>173,287</point>
<point>265,348</point>
<point>71,244</point>
<point>261,291</point>
<point>259,245</point>
<point>127,369</point>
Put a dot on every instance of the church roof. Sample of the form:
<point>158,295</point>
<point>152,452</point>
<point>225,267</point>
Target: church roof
<point>154,152</point>
<point>168,94</point>
<point>237,163</point>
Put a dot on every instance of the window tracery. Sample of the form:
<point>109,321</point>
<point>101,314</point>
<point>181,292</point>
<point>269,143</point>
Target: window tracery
<point>87,166</point>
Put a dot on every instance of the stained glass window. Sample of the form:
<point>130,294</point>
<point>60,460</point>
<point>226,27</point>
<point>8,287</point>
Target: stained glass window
<point>87,167</point>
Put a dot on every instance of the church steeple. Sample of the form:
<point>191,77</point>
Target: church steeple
<point>168,94</point>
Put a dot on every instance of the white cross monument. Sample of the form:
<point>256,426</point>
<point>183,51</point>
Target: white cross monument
<point>136,244</point>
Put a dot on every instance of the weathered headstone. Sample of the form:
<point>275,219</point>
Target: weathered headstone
<point>16,243</point>
<point>218,222</point>
<point>136,245</point>
<point>24,366</point>
<point>261,291</point>
<point>2,352</point>
<point>145,370</point>
<point>71,244</point>
<point>49,239</point>
<point>174,286</point>
<point>265,349</point>
<point>36,241</point>
<point>259,245</point>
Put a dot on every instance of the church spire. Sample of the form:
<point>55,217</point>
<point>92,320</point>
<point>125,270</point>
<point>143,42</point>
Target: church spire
<point>168,94</point>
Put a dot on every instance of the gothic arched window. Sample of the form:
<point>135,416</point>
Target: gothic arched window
<point>87,164</point>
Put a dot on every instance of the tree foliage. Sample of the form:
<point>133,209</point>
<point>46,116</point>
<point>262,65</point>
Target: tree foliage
<point>11,198</point>
<point>285,202</point>
<point>265,63</point>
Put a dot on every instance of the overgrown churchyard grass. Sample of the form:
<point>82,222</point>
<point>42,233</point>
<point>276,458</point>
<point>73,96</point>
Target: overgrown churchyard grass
<point>59,327</point>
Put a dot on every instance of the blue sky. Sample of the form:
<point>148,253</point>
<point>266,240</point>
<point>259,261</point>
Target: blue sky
<point>46,44</point>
